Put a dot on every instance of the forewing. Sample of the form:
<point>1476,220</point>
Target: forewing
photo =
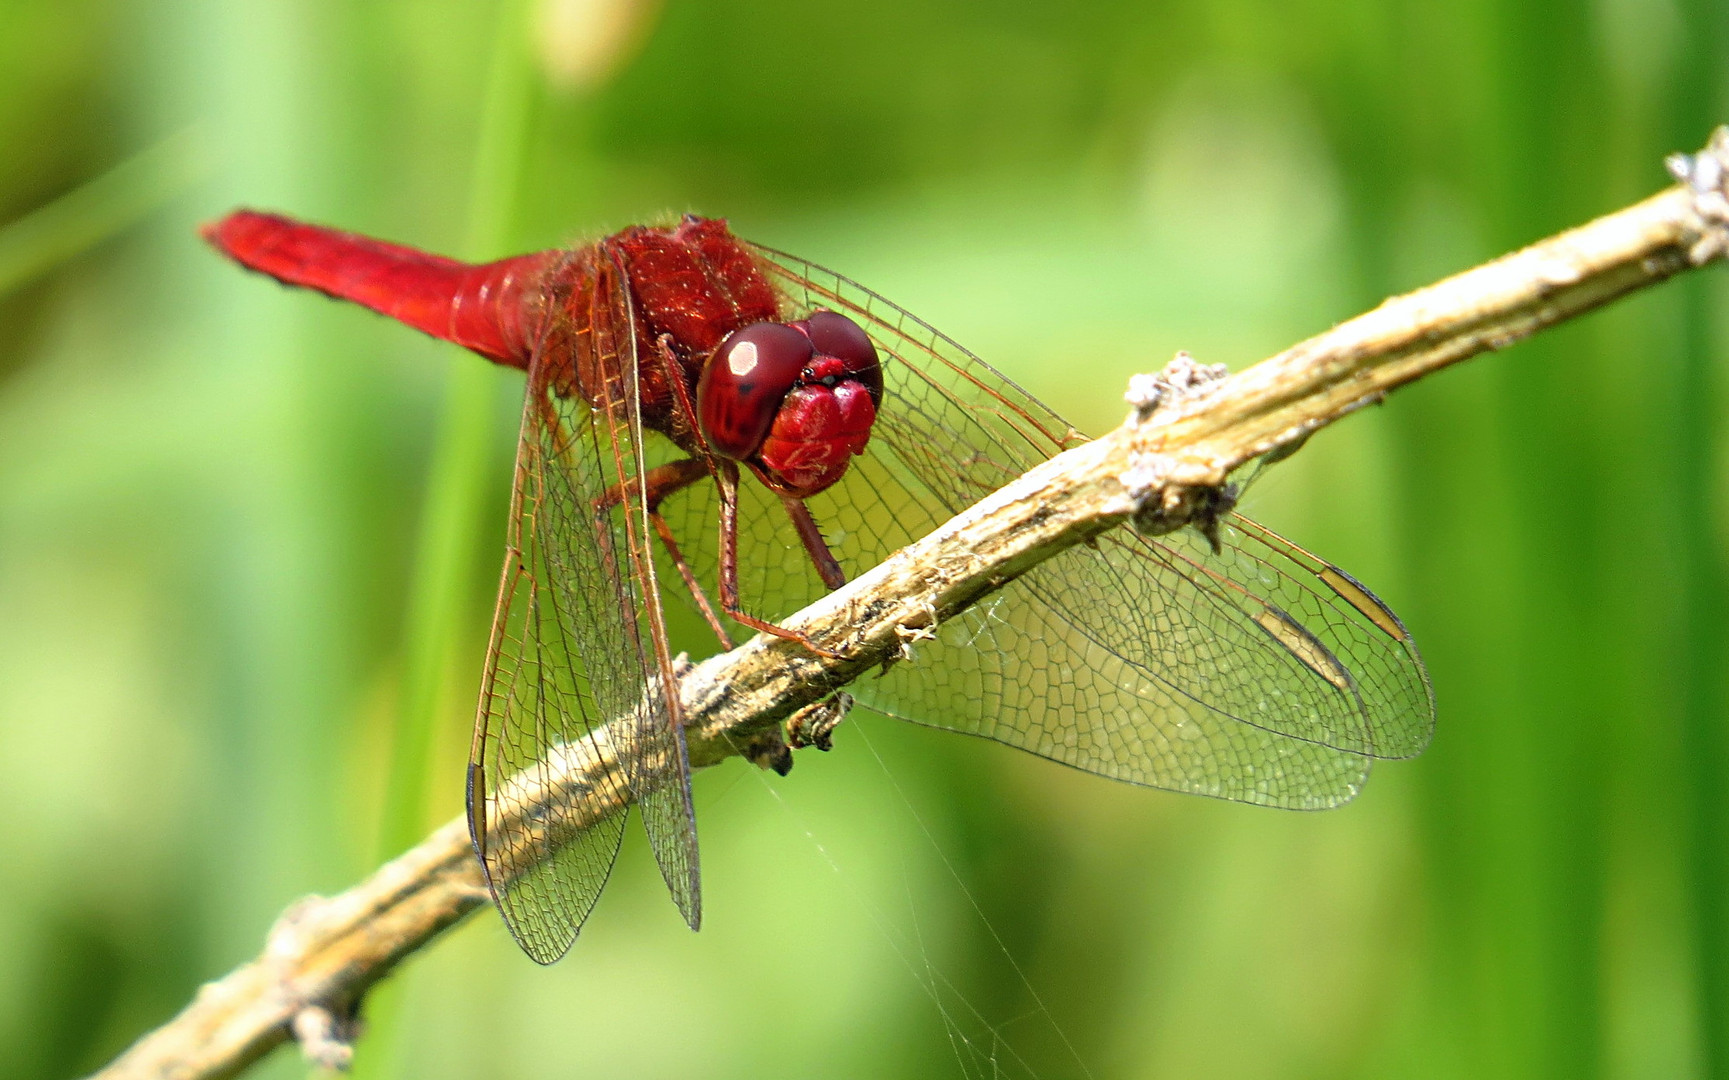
<point>556,636</point>
<point>573,672</point>
<point>1260,674</point>
<point>655,757</point>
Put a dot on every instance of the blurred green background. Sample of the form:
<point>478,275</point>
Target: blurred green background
<point>249,539</point>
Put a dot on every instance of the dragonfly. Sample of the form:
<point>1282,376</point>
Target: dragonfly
<point>712,419</point>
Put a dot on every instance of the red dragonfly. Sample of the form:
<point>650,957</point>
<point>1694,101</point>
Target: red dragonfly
<point>662,359</point>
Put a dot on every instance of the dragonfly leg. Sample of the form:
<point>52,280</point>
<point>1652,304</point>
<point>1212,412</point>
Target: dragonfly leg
<point>686,405</point>
<point>690,582</point>
<point>833,577</point>
<point>686,408</point>
<point>657,484</point>
<point>726,475</point>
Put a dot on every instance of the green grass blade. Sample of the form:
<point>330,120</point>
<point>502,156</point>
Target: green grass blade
<point>100,209</point>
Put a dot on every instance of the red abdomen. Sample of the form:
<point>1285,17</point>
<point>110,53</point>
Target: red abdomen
<point>496,308</point>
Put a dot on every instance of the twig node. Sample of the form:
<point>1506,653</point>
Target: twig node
<point>1704,174</point>
<point>326,1039</point>
<point>1181,378</point>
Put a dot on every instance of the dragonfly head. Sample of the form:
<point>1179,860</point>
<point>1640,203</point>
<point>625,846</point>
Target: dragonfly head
<point>794,401</point>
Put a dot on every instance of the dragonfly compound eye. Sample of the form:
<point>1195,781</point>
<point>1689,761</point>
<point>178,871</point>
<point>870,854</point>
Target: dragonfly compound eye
<point>744,383</point>
<point>833,334</point>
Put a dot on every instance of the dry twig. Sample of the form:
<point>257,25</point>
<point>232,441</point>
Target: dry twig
<point>1183,439</point>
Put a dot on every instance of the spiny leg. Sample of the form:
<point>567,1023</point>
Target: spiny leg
<point>833,577</point>
<point>660,482</point>
<point>690,582</point>
<point>673,370</point>
<point>726,475</point>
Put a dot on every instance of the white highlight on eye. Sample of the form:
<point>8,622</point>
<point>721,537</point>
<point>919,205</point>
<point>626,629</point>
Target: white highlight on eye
<point>742,359</point>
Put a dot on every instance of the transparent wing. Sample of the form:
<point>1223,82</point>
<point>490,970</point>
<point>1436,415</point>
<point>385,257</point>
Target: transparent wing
<point>656,758</point>
<point>578,660</point>
<point>1260,674</point>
